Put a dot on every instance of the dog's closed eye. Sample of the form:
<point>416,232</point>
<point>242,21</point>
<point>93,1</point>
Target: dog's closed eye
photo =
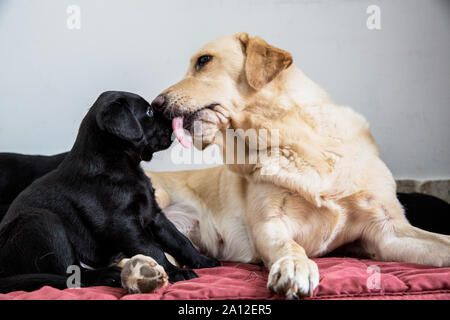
<point>202,60</point>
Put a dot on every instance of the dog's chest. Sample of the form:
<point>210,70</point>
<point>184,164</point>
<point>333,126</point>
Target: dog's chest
<point>224,239</point>
<point>121,200</point>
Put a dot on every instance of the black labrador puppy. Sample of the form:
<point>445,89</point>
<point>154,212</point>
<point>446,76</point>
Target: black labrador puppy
<point>97,204</point>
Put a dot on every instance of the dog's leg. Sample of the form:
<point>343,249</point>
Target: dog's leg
<point>176,244</point>
<point>404,243</point>
<point>161,196</point>
<point>388,236</point>
<point>292,273</point>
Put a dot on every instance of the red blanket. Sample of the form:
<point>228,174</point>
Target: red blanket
<point>341,278</point>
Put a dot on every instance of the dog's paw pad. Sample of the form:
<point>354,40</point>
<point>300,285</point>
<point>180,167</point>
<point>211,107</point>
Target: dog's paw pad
<point>142,274</point>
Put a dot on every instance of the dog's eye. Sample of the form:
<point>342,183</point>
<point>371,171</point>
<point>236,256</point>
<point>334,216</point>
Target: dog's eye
<point>201,61</point>
<point>149,112</point>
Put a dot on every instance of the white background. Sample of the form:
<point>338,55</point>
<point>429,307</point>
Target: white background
<point>397,77</point>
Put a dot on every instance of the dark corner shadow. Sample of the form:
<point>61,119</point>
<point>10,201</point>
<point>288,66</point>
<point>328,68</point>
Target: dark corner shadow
<point>445,5</point>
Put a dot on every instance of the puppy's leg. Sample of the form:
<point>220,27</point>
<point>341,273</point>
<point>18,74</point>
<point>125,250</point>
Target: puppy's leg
<point>138,243</point>
<point>292,273</point>
<point>108,276</point>
<point>176,244</point>
<point>388,236</point>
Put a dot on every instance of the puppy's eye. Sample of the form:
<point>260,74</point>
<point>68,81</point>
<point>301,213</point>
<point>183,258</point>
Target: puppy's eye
<point>149,112</point>
<point>202,60</point>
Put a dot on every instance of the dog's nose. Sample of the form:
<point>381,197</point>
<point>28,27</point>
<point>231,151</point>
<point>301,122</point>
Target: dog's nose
<point>159,101</point>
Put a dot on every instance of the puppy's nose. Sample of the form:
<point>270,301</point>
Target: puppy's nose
<point>159,102</point>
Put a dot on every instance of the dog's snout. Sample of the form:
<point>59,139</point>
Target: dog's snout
<point>159,102</point>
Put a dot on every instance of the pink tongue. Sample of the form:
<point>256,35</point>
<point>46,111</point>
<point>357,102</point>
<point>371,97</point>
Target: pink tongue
<point>177,126</point>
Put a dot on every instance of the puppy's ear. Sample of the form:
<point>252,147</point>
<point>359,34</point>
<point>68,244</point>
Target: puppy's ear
<point>264,62</point>
<point>117,119</point>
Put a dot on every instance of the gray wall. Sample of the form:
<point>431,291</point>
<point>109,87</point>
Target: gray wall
<point>398,77</point>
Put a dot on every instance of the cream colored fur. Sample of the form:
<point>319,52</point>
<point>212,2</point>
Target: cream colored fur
<point>328,188</point>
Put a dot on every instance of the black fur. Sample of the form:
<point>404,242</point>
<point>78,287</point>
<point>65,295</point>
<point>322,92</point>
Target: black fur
<point>426,212</point>
<point>18,171</point>
<point>96,204</point>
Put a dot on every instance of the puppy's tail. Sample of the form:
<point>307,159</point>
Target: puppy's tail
<point>31,282</point>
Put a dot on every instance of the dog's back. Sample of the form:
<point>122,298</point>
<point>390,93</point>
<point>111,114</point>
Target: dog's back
<point>19,171</point>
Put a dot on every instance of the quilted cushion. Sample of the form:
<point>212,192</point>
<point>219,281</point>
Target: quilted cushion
<point>341,278</point>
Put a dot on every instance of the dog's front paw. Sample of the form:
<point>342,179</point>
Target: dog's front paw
<point>142,274</point>
<point>293,277</point>
<point>205,262</point>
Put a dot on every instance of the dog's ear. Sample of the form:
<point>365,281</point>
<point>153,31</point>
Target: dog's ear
<point>117,119</point>
<point>264,62</point>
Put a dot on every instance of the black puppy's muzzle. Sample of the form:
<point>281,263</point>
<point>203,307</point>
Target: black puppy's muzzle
<point>163,131</point>
<point>158,136</point>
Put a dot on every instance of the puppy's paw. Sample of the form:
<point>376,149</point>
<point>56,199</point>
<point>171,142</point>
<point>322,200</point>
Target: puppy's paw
<point>293,277</point>
<point>142,274</point>
<point>205,262</point>
<point>179,274</point>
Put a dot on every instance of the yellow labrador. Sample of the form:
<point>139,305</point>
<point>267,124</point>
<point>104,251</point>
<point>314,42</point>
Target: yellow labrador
<point>321,186</point>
